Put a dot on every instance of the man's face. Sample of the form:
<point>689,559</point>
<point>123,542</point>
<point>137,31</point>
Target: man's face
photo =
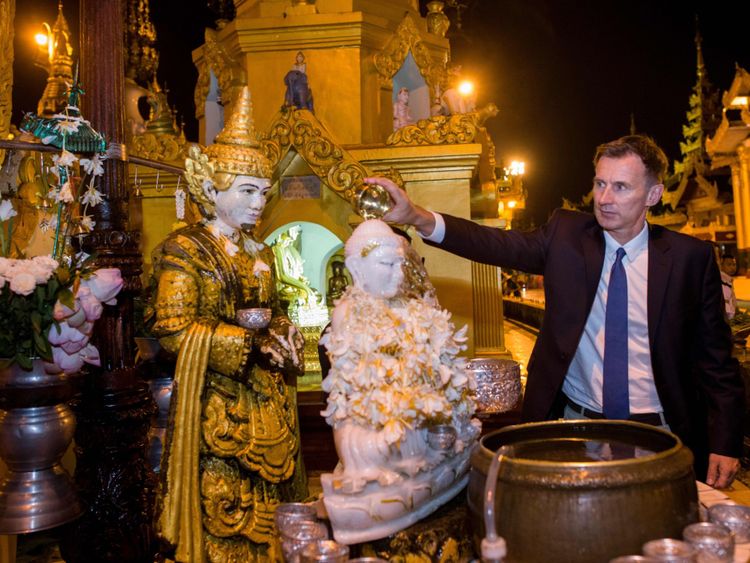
<point>729,265</point>
<point>241,205</point>
<point>380,273</point>
<point>622,195</point>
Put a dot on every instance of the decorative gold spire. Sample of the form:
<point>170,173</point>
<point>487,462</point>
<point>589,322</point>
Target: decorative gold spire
<point>161,117</point>
<point>699,50</point>
<point>142,59</point>
<point>54,98</point>
<point>236,152</point>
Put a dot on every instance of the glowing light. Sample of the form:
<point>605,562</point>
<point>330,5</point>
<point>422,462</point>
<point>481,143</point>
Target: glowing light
<point>517,168</point>
<point>740,101</point>
<point>512,204</point>
<point>466,87</point>
<point>41,39</point>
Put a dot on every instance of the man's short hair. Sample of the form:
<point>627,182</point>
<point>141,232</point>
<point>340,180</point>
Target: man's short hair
<point>644,147</point>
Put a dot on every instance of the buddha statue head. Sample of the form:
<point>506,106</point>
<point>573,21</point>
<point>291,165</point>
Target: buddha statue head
<point>229,179</point>
<point>375,259</point>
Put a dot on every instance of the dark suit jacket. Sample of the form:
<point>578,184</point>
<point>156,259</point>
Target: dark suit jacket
<point>698,382</point>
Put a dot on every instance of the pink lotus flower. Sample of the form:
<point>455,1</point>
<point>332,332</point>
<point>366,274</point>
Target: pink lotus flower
<point>105,283</point>
<point>90,355</point>
<point>61,312</point>
<point>92,306</point>
<point>69,363</point>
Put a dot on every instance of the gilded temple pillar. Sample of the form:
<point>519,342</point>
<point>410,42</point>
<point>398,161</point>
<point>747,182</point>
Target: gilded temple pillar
<point>489,339</point>
<point>7,13</point>
<point>741,188</point>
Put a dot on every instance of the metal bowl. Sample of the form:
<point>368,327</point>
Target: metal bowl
<point>373,202</point>
<point>254,318</point>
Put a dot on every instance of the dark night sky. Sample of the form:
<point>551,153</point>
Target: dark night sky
<point>566,74</point>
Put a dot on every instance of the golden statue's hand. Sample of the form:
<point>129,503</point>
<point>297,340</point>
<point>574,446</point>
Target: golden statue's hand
<point>283,346</point>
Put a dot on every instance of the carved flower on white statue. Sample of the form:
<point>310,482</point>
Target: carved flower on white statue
<point>396,368</point>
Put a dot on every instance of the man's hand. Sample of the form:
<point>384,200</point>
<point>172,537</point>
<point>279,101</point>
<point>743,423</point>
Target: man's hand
<point>721,470</point>
<point>404,211</point>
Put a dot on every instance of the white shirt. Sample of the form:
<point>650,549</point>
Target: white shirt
<point>583,382</point>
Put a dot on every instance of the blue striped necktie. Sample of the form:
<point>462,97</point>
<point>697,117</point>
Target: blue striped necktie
<point>615,398</point>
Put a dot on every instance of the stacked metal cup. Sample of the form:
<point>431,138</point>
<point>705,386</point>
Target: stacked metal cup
<point>714,542</point>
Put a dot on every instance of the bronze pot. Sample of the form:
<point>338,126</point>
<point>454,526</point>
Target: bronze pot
<point>575,490</point>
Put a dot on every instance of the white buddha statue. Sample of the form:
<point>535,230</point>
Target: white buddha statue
<point>396,383</point>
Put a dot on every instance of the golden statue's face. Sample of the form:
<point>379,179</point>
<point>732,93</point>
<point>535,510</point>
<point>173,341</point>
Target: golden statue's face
<point>241,205</point>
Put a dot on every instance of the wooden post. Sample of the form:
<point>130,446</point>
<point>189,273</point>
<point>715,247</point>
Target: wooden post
<point>115,407</point>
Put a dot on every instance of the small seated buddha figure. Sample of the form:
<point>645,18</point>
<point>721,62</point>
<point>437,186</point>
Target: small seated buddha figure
<point>232,451</point>
<point>395,382</point>
<point>336,283</point>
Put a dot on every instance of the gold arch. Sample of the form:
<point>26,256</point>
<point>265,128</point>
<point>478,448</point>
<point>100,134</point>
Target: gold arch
<point>408,38</point>
<point>301,130</point>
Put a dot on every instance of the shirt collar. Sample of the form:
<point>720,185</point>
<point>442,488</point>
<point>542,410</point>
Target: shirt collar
<point>633,247</point>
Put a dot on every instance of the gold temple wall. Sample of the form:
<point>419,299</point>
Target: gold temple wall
<point>351,96</point>
<point>439,178</point>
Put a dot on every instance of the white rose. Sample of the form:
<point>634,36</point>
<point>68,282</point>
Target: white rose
<point>22,283</point>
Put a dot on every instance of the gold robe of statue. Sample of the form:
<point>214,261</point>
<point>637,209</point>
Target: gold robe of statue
<point>232,452</point>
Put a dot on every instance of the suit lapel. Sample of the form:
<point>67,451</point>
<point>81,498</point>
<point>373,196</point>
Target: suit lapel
<point>593,255</point>
<point>659,267</point>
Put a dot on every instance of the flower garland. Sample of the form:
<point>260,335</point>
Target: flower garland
<point>395,366</point>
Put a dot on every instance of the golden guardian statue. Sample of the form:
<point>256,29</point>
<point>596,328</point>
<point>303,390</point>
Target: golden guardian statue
<point>232,451</point>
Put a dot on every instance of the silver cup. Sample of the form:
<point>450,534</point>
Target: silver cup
<point>668,550</point>
<point>714,542</point>
<point>441,437</point>
<point>735,517</point>
<point>289,512</point>
<point>253,318</point>
<point>296,535</point>
<point>324,551</point>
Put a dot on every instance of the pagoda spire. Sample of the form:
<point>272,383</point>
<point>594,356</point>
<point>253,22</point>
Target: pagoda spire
<point>704,114</point>
<point>54,99</point>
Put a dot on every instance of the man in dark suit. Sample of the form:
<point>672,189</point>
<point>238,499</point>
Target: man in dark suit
<point>678,369</point>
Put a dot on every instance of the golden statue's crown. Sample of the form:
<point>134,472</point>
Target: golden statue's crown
<point>235,152</point>
<point>236,149</point>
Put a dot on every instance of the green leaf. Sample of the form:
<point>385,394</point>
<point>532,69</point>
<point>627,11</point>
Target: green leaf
<point>23,361</point>
<point>36,322</point>
<point>43,347</point>
<point>66,298</point>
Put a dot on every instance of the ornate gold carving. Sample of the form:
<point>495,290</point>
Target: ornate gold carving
<point>7,13</point>
<point>164,148</point>
<point>230,75</point>
<point>407,38</point>
<point>443,129</point>
<point>142,58</point>
<point>163,140</point>
<point>300,129</point>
